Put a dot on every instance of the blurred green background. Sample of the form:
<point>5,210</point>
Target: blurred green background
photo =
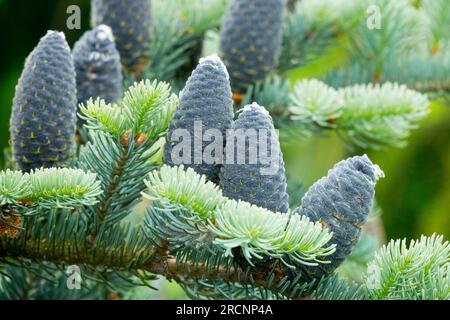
<point>414,196</point>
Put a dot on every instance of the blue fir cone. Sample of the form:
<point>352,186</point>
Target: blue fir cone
<point>260,179</point>
<point>43,119</point>
<point>130,21</point>
<point>205,104</point>
<point>251,36</point>
<point>341,202</point>
<point>254,172</point>
<point>97,66</point>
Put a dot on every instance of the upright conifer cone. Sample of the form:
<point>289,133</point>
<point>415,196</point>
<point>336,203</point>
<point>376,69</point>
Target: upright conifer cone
<point>251,37</point>
<point>260,179</point>
<point>130,21</point>
<point>205,104</point>
<point>341,202</point>
<point>97,66</point>
<point>43,118</point>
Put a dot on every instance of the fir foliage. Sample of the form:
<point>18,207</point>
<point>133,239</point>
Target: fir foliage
<point>146,109</point>
<point>49,188</point>
<point>238,239</point>
<point>415,271</point>
<point>185,198</point>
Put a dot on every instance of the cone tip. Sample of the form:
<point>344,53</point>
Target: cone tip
<point>104,32</point>
<point>57,33</point>
<point>376,168</point>
<point>256,107</point>
<point>216,61</point>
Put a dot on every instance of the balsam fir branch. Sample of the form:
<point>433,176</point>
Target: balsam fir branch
<point>125,141</point>
<point>190,190</point>
<point>19,283</point>
<point>231,224</point>
<point>422,72</point>
<point>436,258</point>
<point>49,188</point>
<point>397,112</point>
<point>273,94</point>
<point>144,258</point>
<point>97,66</point>
<point>220,230</point>
<point>315,102</point>
<point>170,43</point>
<point>43,118</point>
<point>25,194</point>
<point>331,288</point>
<point>403,29</point>
<point>182,201</point>
<point>368,116</point>
<point>417,271</point>
<point>121,176</point>
<point>168,267</point>
<point>372,56</point>
<point>13,187</point>
<point>145,110</point>
<point>260,232</point>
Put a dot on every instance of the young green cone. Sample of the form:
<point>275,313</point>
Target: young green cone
<point>251,37</point>
<point>130,21</point>
<point>254,168</point>
<point>341,201</point>
<point>43,118</point>
<point>97,66</point>
<point>205,105</point>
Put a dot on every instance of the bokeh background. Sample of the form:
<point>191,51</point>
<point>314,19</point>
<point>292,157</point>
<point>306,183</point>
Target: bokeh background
<point>414,196</point>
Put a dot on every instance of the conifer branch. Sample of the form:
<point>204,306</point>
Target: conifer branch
<point>368,116</point>
<point>112,187</point>
<point>218,239</point>
<point>150,260</point>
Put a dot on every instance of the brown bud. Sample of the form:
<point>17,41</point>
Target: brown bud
<point>10,226</point>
